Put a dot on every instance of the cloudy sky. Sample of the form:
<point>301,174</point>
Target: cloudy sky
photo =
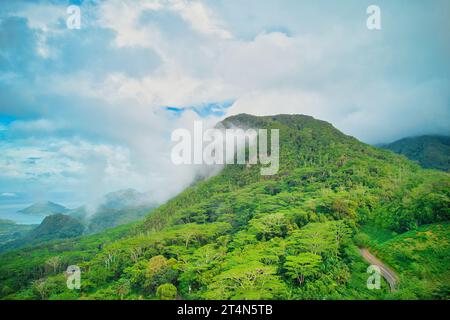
<point>84,112</point>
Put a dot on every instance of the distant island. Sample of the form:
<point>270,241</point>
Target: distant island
<point>44,209</point>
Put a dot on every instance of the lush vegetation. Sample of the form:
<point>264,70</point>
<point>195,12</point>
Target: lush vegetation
<point>421,258</point>
<point>20,269</point>
<point>428,151</point>
<point>55,226</point>
<point>240,235</point>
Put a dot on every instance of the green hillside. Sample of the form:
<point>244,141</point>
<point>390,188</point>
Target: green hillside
<point>422,258</point>
<point>57,226</point>
<point>53,227</point>
<point>240,235</point>
<point>429,151</point>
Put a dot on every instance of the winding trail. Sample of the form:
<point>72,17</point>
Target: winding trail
<point>387,273</point>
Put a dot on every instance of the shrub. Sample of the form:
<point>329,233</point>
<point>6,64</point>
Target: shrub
<point>166,291</point>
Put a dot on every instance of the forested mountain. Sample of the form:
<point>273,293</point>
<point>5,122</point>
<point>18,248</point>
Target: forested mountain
<point>429,151</point>
<point>240,235</point>
<point>57,226</point>
<point>53,227</point>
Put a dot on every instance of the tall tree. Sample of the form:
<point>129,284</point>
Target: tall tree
<point>301,266</point>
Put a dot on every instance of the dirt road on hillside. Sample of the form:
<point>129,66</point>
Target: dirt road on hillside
<point>387,273</point>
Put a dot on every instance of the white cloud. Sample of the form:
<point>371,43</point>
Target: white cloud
<point>40,125</point>
<point>44,18</point>
<point>8,194</point>
<point>41,16</point>
<point>264,103</point>
<point>122,17</point>
<point>60,165</point>
<point>200,18</point>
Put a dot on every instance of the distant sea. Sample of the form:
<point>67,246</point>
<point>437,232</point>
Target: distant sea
<point>9,211</point>
<point>9,207</point>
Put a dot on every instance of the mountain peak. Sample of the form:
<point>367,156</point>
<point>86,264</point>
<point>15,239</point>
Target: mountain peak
<point>296,122</point>
<point>44,208</point>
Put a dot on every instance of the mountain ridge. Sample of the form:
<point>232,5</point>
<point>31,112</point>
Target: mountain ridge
<point>430,151</point>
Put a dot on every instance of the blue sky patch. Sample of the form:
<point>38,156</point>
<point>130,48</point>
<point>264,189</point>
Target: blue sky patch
<point>217,109</point>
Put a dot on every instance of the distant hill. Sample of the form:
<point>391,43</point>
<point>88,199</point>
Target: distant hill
<point>431,152</point>
<point>116,208</point>
<point>119,207</point>
<point>104,217</point>
<point>57,226</point>
<point>44,209</point>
